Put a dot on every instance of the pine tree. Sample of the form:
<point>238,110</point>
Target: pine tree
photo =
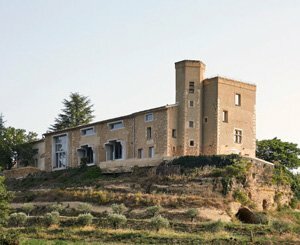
<point>77,111</point>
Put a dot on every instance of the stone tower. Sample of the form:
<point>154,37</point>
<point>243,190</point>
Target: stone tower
<point>189,96</point>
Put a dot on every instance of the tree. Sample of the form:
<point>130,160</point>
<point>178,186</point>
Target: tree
<point>15,146</point>
<point>5,198</point>
<point>77,111</point>
<point>275,150</point>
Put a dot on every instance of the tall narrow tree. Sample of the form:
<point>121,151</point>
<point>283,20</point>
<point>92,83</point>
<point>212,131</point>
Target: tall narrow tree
<point>77,111</point>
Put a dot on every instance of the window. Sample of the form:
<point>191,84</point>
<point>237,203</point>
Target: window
<point>87,131</point>
<point>149,117</point>
<point>225,116</point>
<point>60,151</point>
<point>205,119</point>
<point>191,103</point>
<point>86,155</point>
<point>237,99</point>
<point>116,125</point>
<point>192,143</point>
<point>151,152</point>
<point>174,133</point>
<point>191,124</point>
<point>238,136</point>
<point>114,150</point>
<point>140,153</point>
<point>149,133</point>
<point>191,87</point>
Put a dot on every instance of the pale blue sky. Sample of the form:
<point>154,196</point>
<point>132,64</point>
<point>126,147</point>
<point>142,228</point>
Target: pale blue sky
<point>120,53</point>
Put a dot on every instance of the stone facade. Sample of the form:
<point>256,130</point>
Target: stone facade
<point>210,116</point>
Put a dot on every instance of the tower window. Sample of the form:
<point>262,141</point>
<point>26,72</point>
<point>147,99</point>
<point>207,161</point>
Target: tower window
<point>149,133</point>
<point>191,103</point>
<point>174,133</point>
<point>237,99</point>
<point>191,124</point>
<point>192,143</point>
<point>151,152</point>
<point>140,153</point>
<point>238,136</point>
<point>191,87</point>
<point>225,116</point>
<point>149,117</point>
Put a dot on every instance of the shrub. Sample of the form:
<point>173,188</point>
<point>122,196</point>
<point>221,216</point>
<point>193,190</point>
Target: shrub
<point>27,208</point>
<point>118,208</point>
<point>153,210</point>
<point>10,237</point>
<point>281,227</point>
<point>84,219</point>
<point>84,207</point>
<point>116,220</point>
<point>17,219</point>
<point>241,197</point>
<point>216,226</point>
<point>192,213</point>
<point>159,222</point>
<point>51,218</point>
<point>57,207</point>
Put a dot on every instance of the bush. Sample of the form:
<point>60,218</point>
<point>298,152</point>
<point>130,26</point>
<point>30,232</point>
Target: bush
<point>118,208</point>
<point>153,210</point>
<point>159,222</point>
<point>116,220</point>
<point>281,227</point>
<point>84,219</point>
<point>27,208</point>
<point>192,213</point>
<point>17,219</point>
<point>57,207</point>
<point>216,226</point>
<point>84,208</point>
<point>10,237</point>
<point>51,218</point>
<point>241,197</point>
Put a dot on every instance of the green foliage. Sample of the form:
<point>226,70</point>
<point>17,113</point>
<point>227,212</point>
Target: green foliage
<point>58,207</point>
<point>51,218</point>
<point>153,210</point>
<point>159,222</point>
<point>17,219</point>
<point>118,208</point>
<point>77,111</point>
<point>5,198</point>
<point>226,184</point>
<point>116,220</point>
<point>215,226</point>
<point>10,237</point>
<point>218,161</point>
<point>84,208</point>
<point>27,208</point>
<point>192,213</point>
<point>241,197</point>
<point>15,147</point>
<point>281,226</point>
<point>84,219</point>
<point>275,150</point>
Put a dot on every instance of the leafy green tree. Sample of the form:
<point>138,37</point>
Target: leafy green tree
<point>5,198</point>
<point>15,146</point>
<point>275,150</point>
<point>77,111</point>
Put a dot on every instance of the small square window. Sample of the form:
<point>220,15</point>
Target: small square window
<point>237,99</point>
<point>192,143</point>
<point>191,124</point>
<point>149,117</point>
<point>174,133</point>
<point>238,136</point>
<point>191,103</point>
<point>225,116</point>
<point>191,87</point>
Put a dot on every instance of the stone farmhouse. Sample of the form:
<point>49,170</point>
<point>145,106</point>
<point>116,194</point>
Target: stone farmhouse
<point>211,116</point>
